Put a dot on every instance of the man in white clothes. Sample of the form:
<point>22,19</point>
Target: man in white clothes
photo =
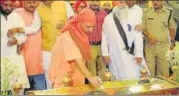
<point>122,45</point>
<point>50,16</point>
<point>9,50</point>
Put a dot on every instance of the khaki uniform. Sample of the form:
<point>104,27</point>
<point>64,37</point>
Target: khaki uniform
<point>96,65</point>
<point>157,25</point>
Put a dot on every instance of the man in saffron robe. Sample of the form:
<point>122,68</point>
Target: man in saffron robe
<point>72,50</point>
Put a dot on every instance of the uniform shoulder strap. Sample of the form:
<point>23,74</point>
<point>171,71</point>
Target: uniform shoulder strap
<point>170,15</point>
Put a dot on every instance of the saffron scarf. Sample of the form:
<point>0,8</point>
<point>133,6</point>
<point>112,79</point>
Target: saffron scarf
<point>77,34</point>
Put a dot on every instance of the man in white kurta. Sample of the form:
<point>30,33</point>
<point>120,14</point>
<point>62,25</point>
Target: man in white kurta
<point>10,53</point>
<point>122,64</point>
<point>46,24</point>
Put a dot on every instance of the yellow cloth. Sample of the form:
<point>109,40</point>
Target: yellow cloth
<point>50,18</point>
<point>150,4</point>
<point>103,2</point>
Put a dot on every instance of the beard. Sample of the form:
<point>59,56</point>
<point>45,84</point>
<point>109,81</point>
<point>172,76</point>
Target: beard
<point>5,12</point>
<point>121,13</point>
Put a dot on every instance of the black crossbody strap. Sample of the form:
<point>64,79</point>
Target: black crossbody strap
<point>170,15</point>
<point>123,35</point>
<point>121,31</point>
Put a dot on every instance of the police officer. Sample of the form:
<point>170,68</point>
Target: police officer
<point>158,28</point>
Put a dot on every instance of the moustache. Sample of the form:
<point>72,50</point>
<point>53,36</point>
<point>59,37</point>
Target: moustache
<point>7,10</point>
<point>31,7</point>
<point>155,4</point>
<point>106,9</point>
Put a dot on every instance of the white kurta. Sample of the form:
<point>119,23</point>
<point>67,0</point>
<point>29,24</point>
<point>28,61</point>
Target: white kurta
<point>10,52</point>
<point>123,65</point>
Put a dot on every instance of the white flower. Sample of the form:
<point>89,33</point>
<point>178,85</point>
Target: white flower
<point>8,73</point>
<point>173,57</point>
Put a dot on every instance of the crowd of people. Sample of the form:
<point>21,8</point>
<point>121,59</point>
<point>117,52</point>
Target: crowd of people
<point>81,39</point>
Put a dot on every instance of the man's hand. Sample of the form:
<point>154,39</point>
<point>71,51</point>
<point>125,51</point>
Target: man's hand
<point>60,25</point>
<point>12,31</point>
<point>19,49</point>
<point>172,45</point>
<point>106,60</point>
<point>12,42</point>
<point>152,39</point>
<point>140,27</point>
<point>138,60</point>
<point>10,34</point>
<point>95,81</point>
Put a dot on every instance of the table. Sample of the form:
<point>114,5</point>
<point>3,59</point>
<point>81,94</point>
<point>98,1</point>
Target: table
<point>157,86</point>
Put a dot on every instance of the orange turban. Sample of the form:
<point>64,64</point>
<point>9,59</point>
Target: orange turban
<point>78,3</point>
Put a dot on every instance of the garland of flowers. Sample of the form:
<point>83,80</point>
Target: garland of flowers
<point>8,74</point>
<point>173,57</point>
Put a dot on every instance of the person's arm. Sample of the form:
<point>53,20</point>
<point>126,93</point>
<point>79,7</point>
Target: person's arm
<point>72,53</point>
<point>70,11</point>
<point>144,25</point>
<point>138,41</point>
<point>172,32</point>
<point>82,67</point>
<point>36,25</point>
<point>104,43</point>
<point>172,28</point>
<point>94,80</point>
<point>151,38</point>
<point>140,27</point>
<point>138,37</point>
<point>15,21</point>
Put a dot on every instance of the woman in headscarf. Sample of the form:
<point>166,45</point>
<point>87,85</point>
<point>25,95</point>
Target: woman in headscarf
<point>79,5</point>
<point>71,51</point>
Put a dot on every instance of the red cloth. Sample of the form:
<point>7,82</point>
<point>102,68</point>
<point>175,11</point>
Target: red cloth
<point>78,3</point>
<point>80,38</point>
<point>18,4</point>
<point>96,35</point>
<point>2,1</point>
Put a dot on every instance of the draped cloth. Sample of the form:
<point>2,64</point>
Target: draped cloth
<point>123,65</point>
<point>71,44</point>
<point>77,33</point>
